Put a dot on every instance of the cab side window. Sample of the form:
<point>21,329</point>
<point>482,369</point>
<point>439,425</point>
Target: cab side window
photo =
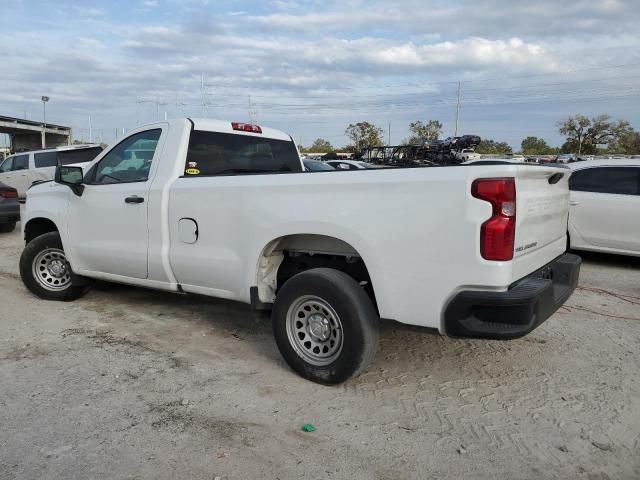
<point>129,161</point>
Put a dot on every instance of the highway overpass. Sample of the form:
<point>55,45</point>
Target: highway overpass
<point>30,135</point>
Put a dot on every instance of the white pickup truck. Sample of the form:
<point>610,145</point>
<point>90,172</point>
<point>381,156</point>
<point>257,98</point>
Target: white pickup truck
<point>225,209</point>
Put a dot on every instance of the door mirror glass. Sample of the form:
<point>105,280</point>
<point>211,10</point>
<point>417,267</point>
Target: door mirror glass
<point>69,175</point>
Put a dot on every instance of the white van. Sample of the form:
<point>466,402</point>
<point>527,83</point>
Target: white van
<point>22,169</point>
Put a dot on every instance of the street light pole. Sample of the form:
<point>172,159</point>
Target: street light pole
<point>44,120</point>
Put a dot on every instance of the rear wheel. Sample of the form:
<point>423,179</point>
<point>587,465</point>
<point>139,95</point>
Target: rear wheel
<point>45,270</point>
<point>325,325</point>
<point>7,227</point>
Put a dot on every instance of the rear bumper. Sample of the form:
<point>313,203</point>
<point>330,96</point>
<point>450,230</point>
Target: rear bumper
<point>514,313</point>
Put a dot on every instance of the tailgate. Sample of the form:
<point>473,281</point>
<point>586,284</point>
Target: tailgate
<point>542,207</point>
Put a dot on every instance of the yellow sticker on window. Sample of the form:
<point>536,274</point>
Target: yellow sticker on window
<point>192,171</point>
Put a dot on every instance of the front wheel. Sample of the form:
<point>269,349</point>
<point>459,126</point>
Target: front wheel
<point>45,270</point>
<point>325,325</point>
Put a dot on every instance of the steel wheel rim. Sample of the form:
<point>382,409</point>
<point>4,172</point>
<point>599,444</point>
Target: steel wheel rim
<point>314,330</point>
<point>51,269</point>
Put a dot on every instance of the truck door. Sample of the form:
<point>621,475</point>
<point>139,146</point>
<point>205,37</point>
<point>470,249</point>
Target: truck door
<point>108,228</point>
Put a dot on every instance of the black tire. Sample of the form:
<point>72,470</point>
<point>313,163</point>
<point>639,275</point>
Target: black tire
<point>7,227</point>
<point>67,292</point>
<point>356,316</point>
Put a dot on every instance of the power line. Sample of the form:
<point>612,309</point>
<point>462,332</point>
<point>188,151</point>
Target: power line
<point>436,83</point>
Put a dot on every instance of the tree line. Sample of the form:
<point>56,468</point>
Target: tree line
<point>583,136</point>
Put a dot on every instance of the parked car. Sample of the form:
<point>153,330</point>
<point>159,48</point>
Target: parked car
<point>566,158</point>
<point>604,213</point>
<point>316,165</point>
<point>9,208</point>
<point>22,169</point>
<point>466,155</point>
<point>351,165</point>
<point>225,209</point>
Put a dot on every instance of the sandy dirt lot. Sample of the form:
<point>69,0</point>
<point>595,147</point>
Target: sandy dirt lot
<point>129,383</point>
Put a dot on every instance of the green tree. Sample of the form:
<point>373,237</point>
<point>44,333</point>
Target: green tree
<point>423,132</point>
<point>321,145</point>
<point>364,134</point>
<point>626,143</point>
<point>584,135</point>
<point>574,128</point>
<point>535,146</point>
<point>492,147</point>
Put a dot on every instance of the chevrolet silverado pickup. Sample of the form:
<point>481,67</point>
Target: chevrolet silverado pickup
<point>226,209</point>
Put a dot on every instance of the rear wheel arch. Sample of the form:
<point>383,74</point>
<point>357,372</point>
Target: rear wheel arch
<point>288,255</point>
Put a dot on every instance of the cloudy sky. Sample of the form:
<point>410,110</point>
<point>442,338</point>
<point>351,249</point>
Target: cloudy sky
<point>311,67</point>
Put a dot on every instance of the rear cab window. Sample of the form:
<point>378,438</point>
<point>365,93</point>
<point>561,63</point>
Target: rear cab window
<point>214,154</point>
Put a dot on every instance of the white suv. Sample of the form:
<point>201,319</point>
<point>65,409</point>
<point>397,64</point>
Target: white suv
<point>22,169</point>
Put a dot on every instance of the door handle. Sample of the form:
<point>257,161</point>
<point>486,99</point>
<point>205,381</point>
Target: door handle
<point>134,199</point>
<point>573,203</point>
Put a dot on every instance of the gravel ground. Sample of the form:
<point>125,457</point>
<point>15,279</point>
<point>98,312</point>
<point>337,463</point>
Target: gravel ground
<point>130,383</point>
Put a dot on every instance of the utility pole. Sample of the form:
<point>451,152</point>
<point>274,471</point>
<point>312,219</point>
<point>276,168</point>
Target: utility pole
<point>204,115</point>
<point>90,131</point>
<point>137,108</point>
<point>389,134</point>
<point>249,109</point>
<point>457,112</point>
<point>178,105</point>
<point>44,121</point>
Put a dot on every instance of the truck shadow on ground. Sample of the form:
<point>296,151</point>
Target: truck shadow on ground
<point>407,349</point>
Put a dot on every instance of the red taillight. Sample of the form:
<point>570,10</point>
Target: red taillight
<point>8,193</point>
<point>497,235</point>
<point>246,127</point>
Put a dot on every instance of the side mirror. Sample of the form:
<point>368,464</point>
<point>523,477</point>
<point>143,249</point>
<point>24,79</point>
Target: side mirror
<point>70,176</point>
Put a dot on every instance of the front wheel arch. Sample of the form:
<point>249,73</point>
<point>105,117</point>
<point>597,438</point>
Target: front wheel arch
<point>38,226</point>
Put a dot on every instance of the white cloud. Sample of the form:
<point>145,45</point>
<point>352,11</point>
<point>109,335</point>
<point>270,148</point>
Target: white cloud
<point>326,61</point>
